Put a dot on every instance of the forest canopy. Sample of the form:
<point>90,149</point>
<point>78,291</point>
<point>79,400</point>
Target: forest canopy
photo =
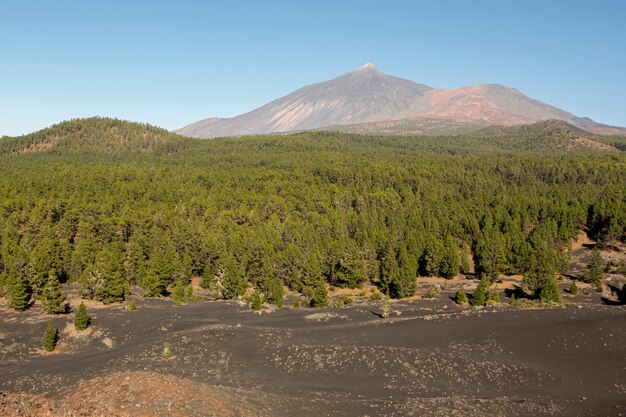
<point>110,204</point>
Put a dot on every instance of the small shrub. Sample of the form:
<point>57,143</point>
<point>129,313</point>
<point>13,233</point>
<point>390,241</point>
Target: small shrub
<point>573,289</point>
<point>81,320</point>
<point>525,303</point>
<point>256,302</point>
<point>386,308</point>
<point>50,337</point>
<point>132,306</point>
<point>479,297</point>
<point>320,296</point>
<point>512,300</point>
<point>344,300</point>
<point>493,297</point>
<point>376,296</point>
<point>431,292</point>
<point>167,351</point>
<point>461,297</point>
<point>296,304</point>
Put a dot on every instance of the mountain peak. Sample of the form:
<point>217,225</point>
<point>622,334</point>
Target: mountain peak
<point>367,67</point>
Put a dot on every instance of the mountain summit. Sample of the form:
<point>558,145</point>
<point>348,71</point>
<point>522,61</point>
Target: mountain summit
<point>367,96</point>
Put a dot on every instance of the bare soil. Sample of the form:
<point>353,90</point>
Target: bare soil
<point>430,358</point>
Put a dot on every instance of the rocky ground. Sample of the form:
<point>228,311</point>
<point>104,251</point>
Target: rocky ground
<point>430,358</point>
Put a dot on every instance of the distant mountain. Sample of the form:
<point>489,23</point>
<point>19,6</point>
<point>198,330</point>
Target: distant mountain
<point>96,134</point>
<point>363,95</point>
<point>367,100</point>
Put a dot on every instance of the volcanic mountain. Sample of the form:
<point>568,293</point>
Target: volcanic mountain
<point>367,99</point>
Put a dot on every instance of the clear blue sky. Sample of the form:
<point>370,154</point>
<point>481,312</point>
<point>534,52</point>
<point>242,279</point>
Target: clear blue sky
<point>171,63</point>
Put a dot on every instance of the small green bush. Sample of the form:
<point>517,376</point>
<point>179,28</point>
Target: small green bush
<point>81,320</point>
<point>376,296</point>
<point>573,289</point>
<point>132,306</point>
<point>431,292</point>
<point>167,351</point>
<point>50,337</point>
<point>344,300</point>
<point>493,297</point>
<point>256,302</point>
<point>461,296</point>
<point>386,308</point>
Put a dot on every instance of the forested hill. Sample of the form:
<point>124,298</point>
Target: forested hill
<point>547,135</point>
<point>93,135</point>
<point>108,204</point>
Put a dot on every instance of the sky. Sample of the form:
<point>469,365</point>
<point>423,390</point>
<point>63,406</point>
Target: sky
<point>171,63</point>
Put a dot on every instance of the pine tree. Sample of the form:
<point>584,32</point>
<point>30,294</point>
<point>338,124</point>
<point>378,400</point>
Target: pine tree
<point>594,272</point>
<point>465,266</point>
<point>178,293</point>
<point>275,292</point>
<point>542,269</point>
<point>493,296</point>
<point>549,291</point>
<point>512,299</point>
<point>573,289</point>
<point>82,320</point>
<point>20,294</point>
<point>451,261</point>
<point>52,300</point>
<point>432,258</point>
<point>50,337</point>
<point>479,297</point>
<point>489,257</point>
<point>389,273</point>
<point>405,284</point>
<point>256,302</point>
<point>461,296</point>
<point>320,295</point>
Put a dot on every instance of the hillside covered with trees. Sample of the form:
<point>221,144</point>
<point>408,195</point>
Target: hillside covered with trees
<point>110,204</point>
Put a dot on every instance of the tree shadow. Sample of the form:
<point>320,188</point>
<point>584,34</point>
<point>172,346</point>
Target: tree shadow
<point>610,302</point>
<point>517,291</point>
<point>377,314</point>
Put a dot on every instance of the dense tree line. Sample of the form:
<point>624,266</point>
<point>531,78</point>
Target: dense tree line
<point>300,210</point>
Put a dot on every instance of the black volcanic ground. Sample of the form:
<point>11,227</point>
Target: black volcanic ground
<point>430,358</point>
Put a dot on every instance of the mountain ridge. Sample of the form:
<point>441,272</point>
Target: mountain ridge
<point>367,95</point>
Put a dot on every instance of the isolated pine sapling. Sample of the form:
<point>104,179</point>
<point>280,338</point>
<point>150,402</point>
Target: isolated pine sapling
<point>50,337</point>
<point>386,307</point>
<point>573,289</point>
<point>256,301</point>
<point>82,320</point>
<point>479,297</point>
<point>132,306</point>
<point>320,296</point>
<point>167,351</point>
<point>461,296</point>
<point>493,297</point>
<point>512,300</point>
<point>594,272</point>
